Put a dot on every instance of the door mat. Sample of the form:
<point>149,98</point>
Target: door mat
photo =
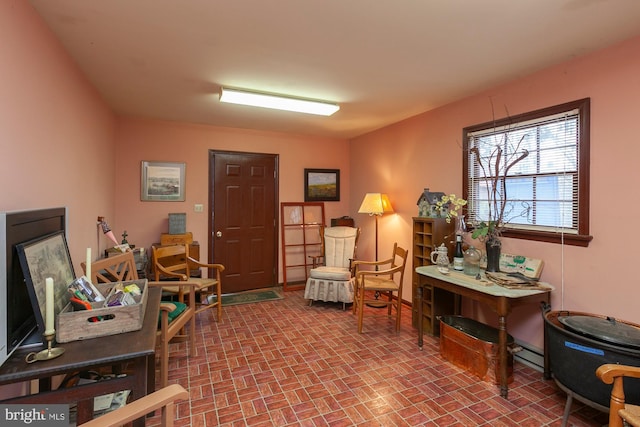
<point>250,296</point>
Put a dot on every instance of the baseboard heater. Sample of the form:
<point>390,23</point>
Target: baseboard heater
<point>530,356</point>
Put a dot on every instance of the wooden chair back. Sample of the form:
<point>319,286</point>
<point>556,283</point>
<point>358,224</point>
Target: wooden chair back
<point>116,268</point>
<point>171,261</point>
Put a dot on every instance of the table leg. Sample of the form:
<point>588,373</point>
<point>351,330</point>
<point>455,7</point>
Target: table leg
<point>502,347</point>
<point>84,411</point>
<point>141,386</point>
<point>420,324</point>
<point>151,374</point>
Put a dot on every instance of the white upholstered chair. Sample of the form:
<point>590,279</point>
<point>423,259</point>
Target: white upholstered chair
<point>331,278</point>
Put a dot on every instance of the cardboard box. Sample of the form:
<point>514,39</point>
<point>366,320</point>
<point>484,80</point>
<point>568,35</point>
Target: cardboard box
<point>102,321</point>
<point>473,346</point>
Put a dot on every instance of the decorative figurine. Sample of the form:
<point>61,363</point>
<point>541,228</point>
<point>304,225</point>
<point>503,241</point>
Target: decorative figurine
<point>427,204</point>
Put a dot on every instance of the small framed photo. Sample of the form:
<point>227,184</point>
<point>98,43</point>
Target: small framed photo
<point>162,181</point>
<point>321,185</point>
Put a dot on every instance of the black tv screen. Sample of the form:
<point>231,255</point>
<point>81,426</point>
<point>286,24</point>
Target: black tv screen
<point>15,228</point>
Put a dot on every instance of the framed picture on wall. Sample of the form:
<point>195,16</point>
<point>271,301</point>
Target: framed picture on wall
<point>162,181</point>
<point>321,185</point>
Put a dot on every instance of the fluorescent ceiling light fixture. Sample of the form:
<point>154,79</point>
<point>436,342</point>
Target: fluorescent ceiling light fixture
<point>256,99</point>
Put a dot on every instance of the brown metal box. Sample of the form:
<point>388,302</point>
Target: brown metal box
<point>473,346</point>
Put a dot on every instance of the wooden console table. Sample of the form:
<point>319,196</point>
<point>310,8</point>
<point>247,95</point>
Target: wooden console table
<point>501,300</point>
<point>134,349</point>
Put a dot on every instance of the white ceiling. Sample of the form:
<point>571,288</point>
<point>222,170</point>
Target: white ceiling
<point>381,60</point>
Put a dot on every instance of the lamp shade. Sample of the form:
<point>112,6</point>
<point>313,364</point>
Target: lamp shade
<point>375,204</point>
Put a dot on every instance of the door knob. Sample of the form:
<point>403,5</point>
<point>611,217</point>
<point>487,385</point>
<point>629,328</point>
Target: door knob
<point>218,234</point>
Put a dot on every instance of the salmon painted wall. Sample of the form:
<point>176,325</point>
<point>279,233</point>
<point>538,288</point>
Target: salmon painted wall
<point>425,151</point>
<point>56,135</point>
<point>139,140</point>
<point>55,132</point>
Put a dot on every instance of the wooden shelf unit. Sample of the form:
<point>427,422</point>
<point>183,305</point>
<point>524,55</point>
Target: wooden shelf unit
<point>301,222</point>
<point>428,234</point>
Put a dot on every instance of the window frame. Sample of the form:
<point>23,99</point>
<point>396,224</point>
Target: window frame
<point>582,238</point>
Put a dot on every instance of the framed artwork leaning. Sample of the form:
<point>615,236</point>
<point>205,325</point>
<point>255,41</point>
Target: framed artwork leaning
<point>44,257</point>
<point>322,185</point>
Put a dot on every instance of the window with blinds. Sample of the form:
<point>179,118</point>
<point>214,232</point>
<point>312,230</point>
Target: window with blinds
<point>547,191</point>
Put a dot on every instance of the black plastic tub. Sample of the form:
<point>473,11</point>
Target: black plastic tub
<point>578,343</point>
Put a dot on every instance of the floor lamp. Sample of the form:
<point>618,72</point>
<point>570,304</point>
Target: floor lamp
<point>376,204</point>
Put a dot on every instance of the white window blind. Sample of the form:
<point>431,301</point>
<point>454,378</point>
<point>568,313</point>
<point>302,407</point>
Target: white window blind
<point>542,190</point>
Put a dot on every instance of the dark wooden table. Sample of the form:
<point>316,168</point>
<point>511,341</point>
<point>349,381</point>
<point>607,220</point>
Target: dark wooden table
<point>501,300</point>
<point>130,352</point>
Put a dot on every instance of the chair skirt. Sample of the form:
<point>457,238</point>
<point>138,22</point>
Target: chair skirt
<point>329,290</point>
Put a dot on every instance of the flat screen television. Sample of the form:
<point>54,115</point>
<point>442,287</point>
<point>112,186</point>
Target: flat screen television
<point>19,325</point>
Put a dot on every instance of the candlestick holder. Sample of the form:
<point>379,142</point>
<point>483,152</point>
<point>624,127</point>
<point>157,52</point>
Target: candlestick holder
<point>48,353</point>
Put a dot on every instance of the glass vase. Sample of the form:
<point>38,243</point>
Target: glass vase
<point>493,248</point>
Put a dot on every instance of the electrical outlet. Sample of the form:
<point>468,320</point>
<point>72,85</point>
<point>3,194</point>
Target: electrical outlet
<point>198,207</point>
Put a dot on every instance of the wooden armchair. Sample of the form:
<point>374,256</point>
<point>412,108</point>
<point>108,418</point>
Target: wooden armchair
<point>620,413</point>
<point>173,274</point>
<point>164,398</point>
<point>122,268</point>
<point>385,279</point>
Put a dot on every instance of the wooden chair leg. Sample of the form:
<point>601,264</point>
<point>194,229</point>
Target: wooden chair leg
<point>192,336</point>
<point>398,313</point>
<point>219,293</point>
<point>356,296</point>
<point>360,311</point>
<point>164,365</point>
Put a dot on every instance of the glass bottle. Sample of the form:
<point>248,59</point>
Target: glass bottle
<point>458,255</point>
<point>472,261</point>
<point>461,225</point>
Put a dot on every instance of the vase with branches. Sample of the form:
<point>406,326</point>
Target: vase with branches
<point>494,168</point>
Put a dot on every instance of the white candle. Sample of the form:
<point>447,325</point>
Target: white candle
<point>49,313</point>
<point>88,263</point>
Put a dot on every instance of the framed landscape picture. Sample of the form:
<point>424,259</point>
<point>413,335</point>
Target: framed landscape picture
<point>162,181</point>
<point>321,185</point>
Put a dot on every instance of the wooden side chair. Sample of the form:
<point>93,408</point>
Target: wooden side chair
<point>331,276</point>
<point>385,279</point>
<point>172,265</point>
<point>164,398</point>
<point>620,412</point>
<point>173,317</point>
